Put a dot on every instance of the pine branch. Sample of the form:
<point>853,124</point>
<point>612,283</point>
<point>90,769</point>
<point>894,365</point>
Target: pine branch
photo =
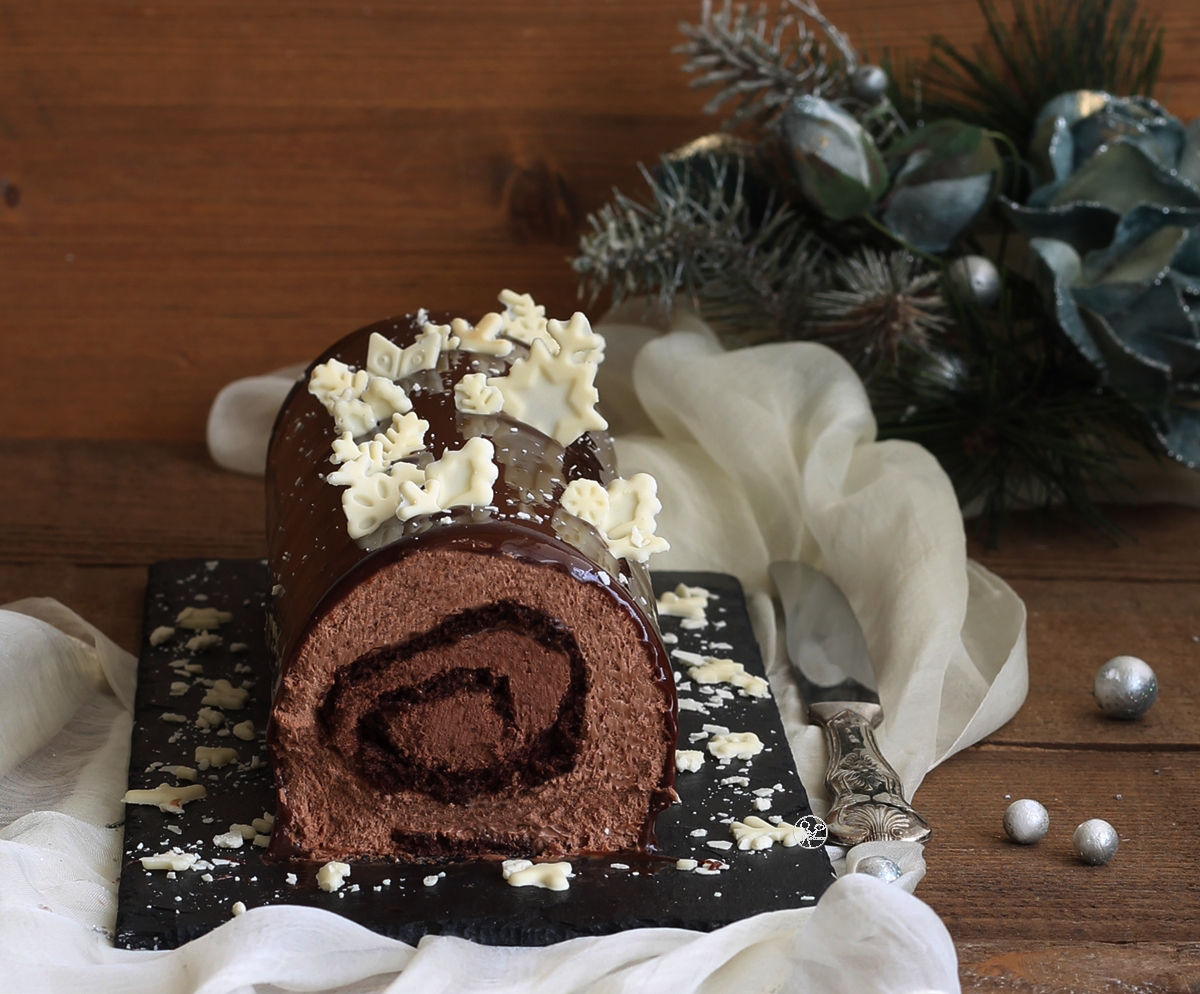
<point>760,66</point>
<point>1012,414</point>
<point>747,269</point>
<point>1050,48</point>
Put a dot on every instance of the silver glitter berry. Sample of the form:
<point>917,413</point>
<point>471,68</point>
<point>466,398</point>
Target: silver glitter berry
<point>1125,687</point>
<point>869,83</point>
<point>879,866</point>
<point>1095,841</point>
<point>979,275</point>
<point>1026,821</point>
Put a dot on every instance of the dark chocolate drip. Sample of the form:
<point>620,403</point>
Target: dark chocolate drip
<point>314,563</point>
<point>364,733</point>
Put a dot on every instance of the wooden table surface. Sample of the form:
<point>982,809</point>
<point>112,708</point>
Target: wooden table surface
<point>192,192</point>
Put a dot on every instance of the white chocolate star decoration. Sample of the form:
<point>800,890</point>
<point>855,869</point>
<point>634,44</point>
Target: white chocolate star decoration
<point>623,512</point>
<point>556,394</point>
<point>472,395</point>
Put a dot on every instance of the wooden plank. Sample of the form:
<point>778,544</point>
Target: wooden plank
<point>208,190</point>
<point>124,503</point>
<point>108,597</point>
<point>1157,544</point>
<point>987,888</point>
<point>1074,627</point>
<point>1051,967</point>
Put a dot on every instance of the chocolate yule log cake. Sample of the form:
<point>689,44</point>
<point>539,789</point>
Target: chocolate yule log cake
<point>468,659</point>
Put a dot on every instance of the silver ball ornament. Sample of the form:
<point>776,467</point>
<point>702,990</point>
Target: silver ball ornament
<point>1096,841</point>
<point>1026,821</point>
<point>880,867</point>
<point>869,83</point>
<point>1125,687</point>
<point>978,275</point>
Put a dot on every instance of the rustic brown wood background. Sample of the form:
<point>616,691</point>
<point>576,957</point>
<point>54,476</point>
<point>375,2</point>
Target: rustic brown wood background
<point>197,190</point>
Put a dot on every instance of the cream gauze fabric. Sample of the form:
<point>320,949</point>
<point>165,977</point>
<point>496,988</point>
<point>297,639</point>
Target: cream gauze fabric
<point>762,455</point>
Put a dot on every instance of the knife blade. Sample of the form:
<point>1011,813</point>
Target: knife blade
<point>829,653</point>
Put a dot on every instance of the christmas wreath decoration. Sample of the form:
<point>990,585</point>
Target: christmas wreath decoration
<point>1004,243</point>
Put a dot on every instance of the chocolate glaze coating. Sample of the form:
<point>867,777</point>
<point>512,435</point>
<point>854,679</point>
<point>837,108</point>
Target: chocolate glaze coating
<point>315,564</point>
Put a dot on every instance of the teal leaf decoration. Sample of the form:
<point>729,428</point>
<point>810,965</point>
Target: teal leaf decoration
<point>944,174</point>
<point>834,159</point>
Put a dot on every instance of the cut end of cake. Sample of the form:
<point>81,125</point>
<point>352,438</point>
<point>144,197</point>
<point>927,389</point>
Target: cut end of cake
<point>467,702</point>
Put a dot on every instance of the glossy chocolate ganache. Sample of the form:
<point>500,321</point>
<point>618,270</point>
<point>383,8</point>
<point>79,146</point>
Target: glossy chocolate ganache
<point>469,662</point>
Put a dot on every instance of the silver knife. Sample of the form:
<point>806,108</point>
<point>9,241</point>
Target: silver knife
<point>829,652</point>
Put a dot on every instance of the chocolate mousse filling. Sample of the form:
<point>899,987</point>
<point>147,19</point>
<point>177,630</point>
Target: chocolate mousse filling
<point>491,699</point>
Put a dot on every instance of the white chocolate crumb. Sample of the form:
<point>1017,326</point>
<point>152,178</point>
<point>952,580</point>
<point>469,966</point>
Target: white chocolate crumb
<point>712,670</point>
<point>174,829</point>
<point>262,841</point>
<point>523,873</point>
<point>208,718</point>
<point>171,716</point>
<point>203,641</point>
<point>618,866</point>
<point>224,695</point>
<point>688,760</point>
<point>215,756</point>
<point>166,798</point>
<point>247,832</point>
<point>172,861</point>
<point>238,647</point>
<point>332,875</point>
<point>762,804</point>
<point>698,833</point>
<point>199,619</point>
<point>179,688</point>
<point>238,909</point>
<point>264,824</point>
<point>688,603</point>
<point>228,840</point>
<point>207,878</point>
<point>688,704</point>
<point>722,844</point>
<point>244,730</point>
<point>291,879</point>
<point>686,864</point>
<point>735,745</point>
<point>430,880</point>
<point>161,634</point>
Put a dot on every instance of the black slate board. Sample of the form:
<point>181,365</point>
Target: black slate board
<point>469,899</point>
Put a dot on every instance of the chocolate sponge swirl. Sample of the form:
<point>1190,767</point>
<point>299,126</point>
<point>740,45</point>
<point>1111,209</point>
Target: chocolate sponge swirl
<point>512,678</point>
<point>483,681</point>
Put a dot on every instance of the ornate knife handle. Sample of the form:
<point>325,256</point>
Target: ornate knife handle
<point>868,802</point>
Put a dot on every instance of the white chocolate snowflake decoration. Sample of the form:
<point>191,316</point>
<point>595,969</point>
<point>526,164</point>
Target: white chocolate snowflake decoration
<point>465,475</point>
<point>556,394</point>
<point>576,339</point>
<point>424,351</point>
<point>357,400</point>
<point>483,337</point>
<point>587,499</point>
<point>525,321</point>
<point>404,438</point>
<point>472,395</point>
<point>386,398</point>
<point>333,380</point>
<point>372,493</point>
<point>624,513</point>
